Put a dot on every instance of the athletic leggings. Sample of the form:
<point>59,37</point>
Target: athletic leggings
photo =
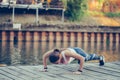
<point>88,57</point>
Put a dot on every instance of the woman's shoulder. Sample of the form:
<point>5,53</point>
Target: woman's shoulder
<point>63,49</point>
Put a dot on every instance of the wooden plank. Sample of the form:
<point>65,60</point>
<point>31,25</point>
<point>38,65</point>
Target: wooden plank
<point>91,71</point>
<point>113,66</point>
<point>103,71</point>
<point>17,74</point>
<point>10,75</point>
<point>117,63</point>
<point>36,72</point>
<point>54,73</point>
<point>109,66</point>
<point>96,65</point>
<point>77,77</point>
<point>98,75</point>
<point>4,77</point>
<point>64,72</point>
<point>21,71</point>
<point>85,75</point>
<point>114,69</point>
<point>68,69</point>
<point>29,70</point>
<point>60,71</point>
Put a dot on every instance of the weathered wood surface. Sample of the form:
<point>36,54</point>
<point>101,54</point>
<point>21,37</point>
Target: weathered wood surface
<point>92,71</point>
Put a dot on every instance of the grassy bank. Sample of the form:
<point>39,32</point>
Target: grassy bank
<point>28,17</point>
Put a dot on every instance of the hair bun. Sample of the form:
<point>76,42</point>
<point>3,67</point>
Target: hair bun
<point>56,50</point>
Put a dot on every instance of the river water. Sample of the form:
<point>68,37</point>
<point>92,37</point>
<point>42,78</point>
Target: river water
<point>30,53</point>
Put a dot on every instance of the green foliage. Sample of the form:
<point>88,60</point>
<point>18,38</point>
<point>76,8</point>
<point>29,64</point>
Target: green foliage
<point>101,1</point>
<point>110,14</point>
<point>75,9</point>
<point>64,3</point>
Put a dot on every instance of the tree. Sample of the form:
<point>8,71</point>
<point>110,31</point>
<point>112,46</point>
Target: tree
<point>76,9</point>
<point>111,6</point>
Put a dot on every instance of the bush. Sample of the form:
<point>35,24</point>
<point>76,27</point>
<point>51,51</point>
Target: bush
<point>110,14</point>
<point>75,9</point>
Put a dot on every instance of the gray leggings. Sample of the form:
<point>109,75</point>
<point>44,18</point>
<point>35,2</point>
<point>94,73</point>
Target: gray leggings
<point>88,57</point>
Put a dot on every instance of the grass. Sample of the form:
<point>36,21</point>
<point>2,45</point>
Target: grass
<point>107,14</point>
<point>111,14</point>
<point>95,13</point>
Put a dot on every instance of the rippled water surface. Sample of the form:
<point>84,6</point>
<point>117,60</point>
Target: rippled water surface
<point>30,53</point>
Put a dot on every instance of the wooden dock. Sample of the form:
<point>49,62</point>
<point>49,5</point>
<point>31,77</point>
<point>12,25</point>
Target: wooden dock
<point>92,71</point>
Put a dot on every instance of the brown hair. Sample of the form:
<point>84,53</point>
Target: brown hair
<point>54,56</point>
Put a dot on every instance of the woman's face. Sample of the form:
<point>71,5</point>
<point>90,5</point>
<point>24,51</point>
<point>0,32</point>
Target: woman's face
<point>59,60</point>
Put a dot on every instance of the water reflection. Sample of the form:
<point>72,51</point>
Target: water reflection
<point>30,53</point>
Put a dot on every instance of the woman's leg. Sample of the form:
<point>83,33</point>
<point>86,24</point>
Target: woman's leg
<point>92,57</point>
<point>80,51</point>
<point>89,57</point>
<point>96,57</point>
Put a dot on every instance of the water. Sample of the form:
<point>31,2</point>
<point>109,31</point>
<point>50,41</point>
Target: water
<point>30,53</point>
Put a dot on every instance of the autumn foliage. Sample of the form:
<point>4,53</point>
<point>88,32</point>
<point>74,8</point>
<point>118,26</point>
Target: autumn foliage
<point>104,5</point>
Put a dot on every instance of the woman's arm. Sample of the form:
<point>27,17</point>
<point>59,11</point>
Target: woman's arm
<point>45,57</point>
<point>81,58</point>
<point>76,56</point>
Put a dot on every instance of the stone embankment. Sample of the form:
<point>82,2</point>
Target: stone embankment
<point>63,28</point>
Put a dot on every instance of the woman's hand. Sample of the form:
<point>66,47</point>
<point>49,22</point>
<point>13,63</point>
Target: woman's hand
<point>77,72</point>
<point>44,70</point>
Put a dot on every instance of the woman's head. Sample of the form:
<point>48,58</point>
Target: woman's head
<point>55,56</point>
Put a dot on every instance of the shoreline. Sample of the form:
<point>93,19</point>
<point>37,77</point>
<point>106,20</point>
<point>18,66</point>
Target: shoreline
<point>61,28</point>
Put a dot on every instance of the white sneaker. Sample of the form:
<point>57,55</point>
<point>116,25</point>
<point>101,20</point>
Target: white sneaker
<point>101,61</point>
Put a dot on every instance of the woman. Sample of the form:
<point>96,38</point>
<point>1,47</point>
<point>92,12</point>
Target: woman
<point>65,56</point>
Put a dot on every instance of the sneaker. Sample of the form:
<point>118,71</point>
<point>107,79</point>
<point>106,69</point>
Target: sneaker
<point>101,61</point>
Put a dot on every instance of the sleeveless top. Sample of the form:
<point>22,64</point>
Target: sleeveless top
<point>64,57</point>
